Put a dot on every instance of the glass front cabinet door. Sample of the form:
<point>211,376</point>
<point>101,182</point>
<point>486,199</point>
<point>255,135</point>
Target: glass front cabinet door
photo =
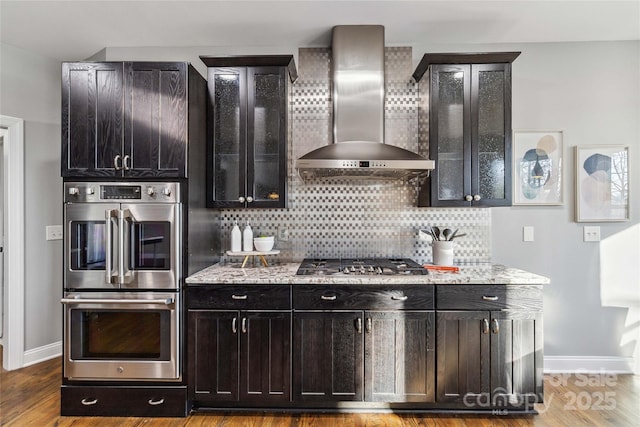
<point>467,126</point>
<point>247,122</point>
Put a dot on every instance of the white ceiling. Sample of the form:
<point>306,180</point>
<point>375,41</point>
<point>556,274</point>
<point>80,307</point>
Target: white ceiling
<point>74,30</point>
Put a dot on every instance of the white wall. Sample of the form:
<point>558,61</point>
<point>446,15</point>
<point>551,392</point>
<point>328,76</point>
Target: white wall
<point>30,90</point>
<point>591,91</point>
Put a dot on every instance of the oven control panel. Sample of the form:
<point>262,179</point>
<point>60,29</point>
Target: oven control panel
<point>101,192</point>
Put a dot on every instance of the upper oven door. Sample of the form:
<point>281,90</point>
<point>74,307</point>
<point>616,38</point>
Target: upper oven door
<point>88,242</point>
<point>150,253</point>
<point>122,246</point>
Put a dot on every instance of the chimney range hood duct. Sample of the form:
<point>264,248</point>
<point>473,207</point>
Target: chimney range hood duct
<point>358,114</point>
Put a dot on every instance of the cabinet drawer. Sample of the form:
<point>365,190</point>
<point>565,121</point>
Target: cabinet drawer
<point>490,297</point>
<point>364,297</point>
<point>123,401</point>
<point>244,297</point>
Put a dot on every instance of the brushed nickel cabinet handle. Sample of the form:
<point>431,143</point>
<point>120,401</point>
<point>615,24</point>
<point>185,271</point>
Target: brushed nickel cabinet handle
<point>369,325</point>
<point>234,325</point>
<point>402,298</point>
<point>240,297</point>
<point>495,328</point>
<point>153,402</point>
<point>489,298</point>
<point>89,402</point>
<point>244,325</point>
<point>117,159</point>
<point>485,326</point>
<point>359,325</point>
<point>329,297</point>
<point>126,162</point>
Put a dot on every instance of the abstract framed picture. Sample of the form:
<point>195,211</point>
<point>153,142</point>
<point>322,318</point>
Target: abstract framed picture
<point>602,183</point>
<point>537,167</point>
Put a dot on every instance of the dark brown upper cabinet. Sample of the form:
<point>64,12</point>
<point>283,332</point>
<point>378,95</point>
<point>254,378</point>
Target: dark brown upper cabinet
<point>468,126</point>
<point>126,119</point>
<point>248,122</point>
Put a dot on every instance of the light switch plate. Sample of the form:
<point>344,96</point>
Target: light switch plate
<point>527,233</point>
<point>591,233</point>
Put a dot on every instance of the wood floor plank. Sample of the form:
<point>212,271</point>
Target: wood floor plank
<point>31,397</point>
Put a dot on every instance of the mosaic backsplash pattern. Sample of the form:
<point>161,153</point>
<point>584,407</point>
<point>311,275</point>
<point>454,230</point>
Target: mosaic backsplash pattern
<point>358,218</point>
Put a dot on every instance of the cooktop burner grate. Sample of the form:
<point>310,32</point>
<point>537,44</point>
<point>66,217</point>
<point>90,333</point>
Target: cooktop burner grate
<point>360,266</point>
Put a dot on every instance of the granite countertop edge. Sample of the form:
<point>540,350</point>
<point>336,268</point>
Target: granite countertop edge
<point>285,274</point>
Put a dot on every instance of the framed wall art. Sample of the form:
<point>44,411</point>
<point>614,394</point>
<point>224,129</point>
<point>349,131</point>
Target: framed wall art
<point>537,167</point>
<point>602,183</point>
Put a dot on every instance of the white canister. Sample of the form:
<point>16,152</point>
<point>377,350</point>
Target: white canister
<point>247,238</point>
<point>442,252</point>
<point>236,238</point>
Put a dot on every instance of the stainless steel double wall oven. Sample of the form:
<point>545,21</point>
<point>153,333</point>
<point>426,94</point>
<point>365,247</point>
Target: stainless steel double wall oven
<point>122,276</point>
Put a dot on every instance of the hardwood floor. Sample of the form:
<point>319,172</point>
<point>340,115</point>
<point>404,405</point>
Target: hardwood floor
<point>31,397</point>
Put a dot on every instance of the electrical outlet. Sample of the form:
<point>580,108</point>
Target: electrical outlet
<point>54,232</point>
<point>591,233</point>
<point>283,234</point>
<point>527,233</point>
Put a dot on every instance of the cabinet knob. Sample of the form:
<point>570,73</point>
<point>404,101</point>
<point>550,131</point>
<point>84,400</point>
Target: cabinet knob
<point>476,197</point>
<point>468,197</point>
<point>249,199</point>
<point>241,199</point>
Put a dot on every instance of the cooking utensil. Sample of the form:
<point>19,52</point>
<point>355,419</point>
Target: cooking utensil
<point>436,232</point>
<point>447,232</point>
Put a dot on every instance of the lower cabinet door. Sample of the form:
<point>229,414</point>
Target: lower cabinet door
<point>328,355</point>
<point>516,358</point>
<point>214,355</point>
<point>265,368</point>
<point>463,367</point>
<point>399,356</point>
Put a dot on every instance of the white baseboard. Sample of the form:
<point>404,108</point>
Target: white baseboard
<point>588,364</point>
<point>40,354</point>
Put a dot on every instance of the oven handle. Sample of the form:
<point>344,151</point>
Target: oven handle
<point>108,267</point>
<point>166,301</point>
<point>123,272</point>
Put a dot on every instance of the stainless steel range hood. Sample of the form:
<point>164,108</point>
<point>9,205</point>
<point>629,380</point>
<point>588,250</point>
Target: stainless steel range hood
<point>358,114</point>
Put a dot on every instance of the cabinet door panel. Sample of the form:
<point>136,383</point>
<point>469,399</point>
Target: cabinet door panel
<point>328,356</point>
<point>92,115</point>
<point>400,356</point>
<point>491,133</point>
<point>516,357</point>
<point>266,364</point>
<point>156,126</point>
<point>266,134</point>
<point>463,340</point>
<point>213,338</point>
<point>450,118</point>
<point>227,124</point>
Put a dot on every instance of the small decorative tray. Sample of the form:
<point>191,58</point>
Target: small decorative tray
<point>247,254</point>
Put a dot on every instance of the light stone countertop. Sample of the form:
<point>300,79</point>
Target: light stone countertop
<point>285,274</point>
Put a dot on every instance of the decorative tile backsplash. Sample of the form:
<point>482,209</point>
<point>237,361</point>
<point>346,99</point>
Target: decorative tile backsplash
<point>358,218</point>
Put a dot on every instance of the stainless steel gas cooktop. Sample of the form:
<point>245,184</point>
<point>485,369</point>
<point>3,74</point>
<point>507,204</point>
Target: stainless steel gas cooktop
<point>360,266</point>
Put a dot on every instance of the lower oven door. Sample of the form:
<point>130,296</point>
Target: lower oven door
<point>122,336</point>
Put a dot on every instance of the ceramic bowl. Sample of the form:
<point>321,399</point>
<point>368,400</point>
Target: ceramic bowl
<point>263,244</point>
